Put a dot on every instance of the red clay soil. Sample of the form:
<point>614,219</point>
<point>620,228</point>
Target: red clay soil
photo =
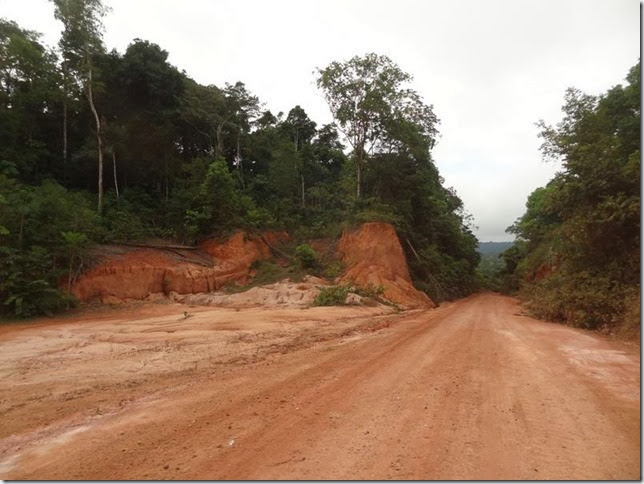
<point>372,255</point>
<point>141,272</point>
<point>470,390</point>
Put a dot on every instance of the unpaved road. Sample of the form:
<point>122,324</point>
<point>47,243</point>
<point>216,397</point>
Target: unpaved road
<point>471,390</point>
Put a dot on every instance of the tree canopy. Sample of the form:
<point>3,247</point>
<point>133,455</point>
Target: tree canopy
<point>161,155</point>
<point>578,254</point>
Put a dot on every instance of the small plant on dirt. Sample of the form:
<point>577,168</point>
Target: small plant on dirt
<point>332,296</point>
<point>306,256</point>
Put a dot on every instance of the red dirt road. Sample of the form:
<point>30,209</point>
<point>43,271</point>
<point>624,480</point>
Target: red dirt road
<point>471,390</point>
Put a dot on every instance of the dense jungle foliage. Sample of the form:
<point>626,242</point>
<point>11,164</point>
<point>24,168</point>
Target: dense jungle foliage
<point>577,254</point>
<point>491,266</point>
<point>99,147</point>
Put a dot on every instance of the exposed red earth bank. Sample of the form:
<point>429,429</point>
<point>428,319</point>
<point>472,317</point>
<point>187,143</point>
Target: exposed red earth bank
<point>137,273</point>
<point>372,254</point>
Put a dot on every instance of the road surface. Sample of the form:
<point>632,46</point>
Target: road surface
<point>470,390</point>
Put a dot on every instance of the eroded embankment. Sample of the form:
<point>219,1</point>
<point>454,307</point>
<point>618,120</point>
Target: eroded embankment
<point>371,253</point>
<point>138,273</point>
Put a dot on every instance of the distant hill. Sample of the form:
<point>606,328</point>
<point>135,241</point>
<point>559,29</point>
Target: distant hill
<point>493,247</point>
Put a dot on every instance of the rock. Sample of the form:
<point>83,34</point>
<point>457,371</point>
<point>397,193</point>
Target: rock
<point>353,299</point>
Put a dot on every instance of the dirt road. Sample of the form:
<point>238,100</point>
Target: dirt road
<point>471,390</point>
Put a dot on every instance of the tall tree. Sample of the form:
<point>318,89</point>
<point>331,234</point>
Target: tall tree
<point>28,97</point>
<point>365,94</point>
<point>80,42</point>
<point>301,131</point>
<point>245,108</point>
<point>579,253</point>
<point>152,90</point>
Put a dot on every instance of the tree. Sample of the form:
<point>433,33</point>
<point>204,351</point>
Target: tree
<point>217,202</point>
<point>80,43</point>
<point>144,99</point>
<point>245,108</point>
<point>162,131</point>
<point>578,258</point>
<point>203,109</point>
<point>28,99</point>
<point>301,130</point>
<point>366,95</point>
<point>74,244</point>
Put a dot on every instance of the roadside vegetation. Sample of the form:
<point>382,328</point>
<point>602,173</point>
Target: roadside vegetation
<point>337,295</point>
<point>102,146</point>
<point>576,258</point>
<point>491,265</point>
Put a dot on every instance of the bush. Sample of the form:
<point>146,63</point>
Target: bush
<point>306,256</point>
<point>45,230</point>
<point>332,296</point>
<point>580,299</point>
<point>27,286</point>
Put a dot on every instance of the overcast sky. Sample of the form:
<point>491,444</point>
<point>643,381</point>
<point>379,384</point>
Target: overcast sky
<point>490,68</point>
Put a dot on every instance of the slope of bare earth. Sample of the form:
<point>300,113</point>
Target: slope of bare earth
<point>470,390</point>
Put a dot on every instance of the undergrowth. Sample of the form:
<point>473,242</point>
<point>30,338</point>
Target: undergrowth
<point>268,272</point>
<point>337,295</point>
<point>584,300</point>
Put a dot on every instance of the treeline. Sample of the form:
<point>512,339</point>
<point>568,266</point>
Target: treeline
<point>99,146</point>
<point>577,255</point>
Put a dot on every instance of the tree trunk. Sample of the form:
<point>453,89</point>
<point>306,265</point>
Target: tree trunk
<point>359,179</point>
<point>240,167</point>
<point>303,192</point>
<point>65,139</point>
<point>116,181</point>
<point>20,231</point>
<point>167,191</point>
<point>65,95</point>
<point>220,140</point>
<point>99,140</point>
<point>69,279</point>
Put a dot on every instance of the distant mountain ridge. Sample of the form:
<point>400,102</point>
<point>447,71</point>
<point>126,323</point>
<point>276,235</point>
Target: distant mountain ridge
<point>493,247</point>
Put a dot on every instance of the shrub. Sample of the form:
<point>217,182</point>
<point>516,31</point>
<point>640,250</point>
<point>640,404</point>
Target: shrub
<point>332,296</point>
<point>580,299</point>
<point>306,256</point>
<point>26,284</point>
